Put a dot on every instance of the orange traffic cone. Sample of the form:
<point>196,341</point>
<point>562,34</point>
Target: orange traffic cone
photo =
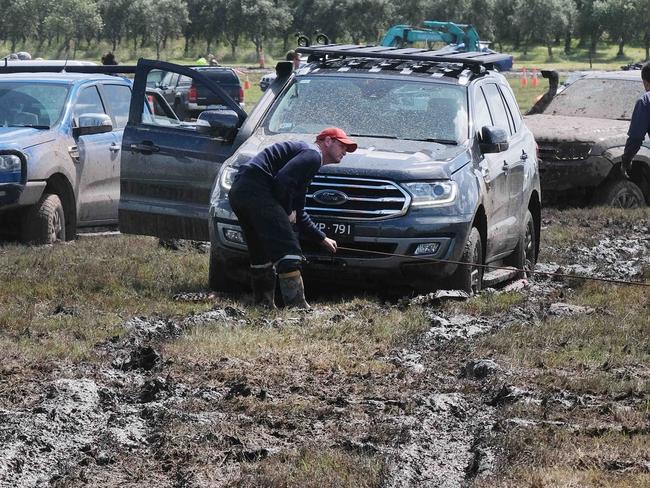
<point>524,77</point>
<point>247,84</point>
<point>533,81</point>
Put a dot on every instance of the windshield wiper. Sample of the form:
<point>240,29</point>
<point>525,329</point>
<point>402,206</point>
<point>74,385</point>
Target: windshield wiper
<point>439,141</point>
<point>31,126</point>
<point>373,135</point>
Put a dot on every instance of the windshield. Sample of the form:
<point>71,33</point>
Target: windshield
<point>29,104</point>
<point>373,107</point>
<point>597,98</point>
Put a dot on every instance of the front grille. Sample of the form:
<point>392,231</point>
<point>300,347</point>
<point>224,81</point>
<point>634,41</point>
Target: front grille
<point>355,198</point>
<point>355,249</point>
<point>564,151</point>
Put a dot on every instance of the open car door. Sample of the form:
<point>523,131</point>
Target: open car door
<point>168,165</point>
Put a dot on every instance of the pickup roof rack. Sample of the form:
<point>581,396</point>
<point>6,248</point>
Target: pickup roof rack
<point>474,60</point>
<point>60,67</point>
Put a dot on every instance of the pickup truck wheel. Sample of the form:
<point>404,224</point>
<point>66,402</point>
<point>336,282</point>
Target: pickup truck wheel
<point>469,277</point>
<point>622,194</point>
<point>45,221</point>
<point>218,279</point>
<point>524,255</point>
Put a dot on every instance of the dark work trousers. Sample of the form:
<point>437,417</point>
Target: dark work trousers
<point>269,235</point>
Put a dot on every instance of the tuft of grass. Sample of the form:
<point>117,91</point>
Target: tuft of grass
<point>487,303</point>
<point>583,353</point>
<point>345,337</point>
<point>314,467</point>
<point>544,457</point>
<point>57,302</point>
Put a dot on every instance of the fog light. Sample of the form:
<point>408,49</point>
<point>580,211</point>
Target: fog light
<point>233,235</point>
<point>427,248</point>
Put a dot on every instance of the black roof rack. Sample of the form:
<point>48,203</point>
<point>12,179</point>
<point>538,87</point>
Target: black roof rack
<point>30,67</point>
<point>474,59</point>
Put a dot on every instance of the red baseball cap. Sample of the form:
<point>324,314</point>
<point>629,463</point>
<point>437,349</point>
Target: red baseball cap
<point>339,135</point>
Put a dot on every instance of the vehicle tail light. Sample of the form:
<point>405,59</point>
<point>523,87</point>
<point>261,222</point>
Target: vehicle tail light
<point>192,96</point>
<point>241,94</point>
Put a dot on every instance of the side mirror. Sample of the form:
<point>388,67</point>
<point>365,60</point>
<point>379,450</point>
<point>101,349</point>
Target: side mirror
<point>92,124</point>
<point>222,123</point>
<point>493,140</point>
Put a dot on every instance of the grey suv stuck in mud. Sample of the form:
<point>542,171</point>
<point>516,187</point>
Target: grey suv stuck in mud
<point>445,170</point>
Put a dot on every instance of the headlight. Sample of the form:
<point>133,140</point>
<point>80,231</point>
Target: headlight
<point>433,193</point>
<point>227,177</point>
<point>9,162</point>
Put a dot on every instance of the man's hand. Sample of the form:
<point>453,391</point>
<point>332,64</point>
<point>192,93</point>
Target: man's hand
<point>625,168</point>
<point>329,244</point>
<point>292,217</point>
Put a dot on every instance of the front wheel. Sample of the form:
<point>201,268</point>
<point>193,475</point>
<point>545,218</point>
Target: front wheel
<point>524,256</point>
<point>45,221</point>
<point>469,277</point>
<point>622,194</point>
<point>218,274</point>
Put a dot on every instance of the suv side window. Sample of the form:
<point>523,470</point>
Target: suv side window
<point>169,80</point>
<point>497,108</point>
<point>88,102</point>
<point>118,98</point>
<point>513,108</point>
<point>481,112</point>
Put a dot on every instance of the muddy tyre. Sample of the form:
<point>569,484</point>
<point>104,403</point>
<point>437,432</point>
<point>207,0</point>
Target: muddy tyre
<point>469,277</point>
<point>218,279</point>
<point>622,194</point>
<point>45,221</point>
<point>525,254</point>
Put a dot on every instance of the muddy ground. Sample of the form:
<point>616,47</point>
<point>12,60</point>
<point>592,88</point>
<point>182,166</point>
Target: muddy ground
<point>430,418</point>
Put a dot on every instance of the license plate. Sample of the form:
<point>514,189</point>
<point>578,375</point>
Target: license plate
<point>336,231</point>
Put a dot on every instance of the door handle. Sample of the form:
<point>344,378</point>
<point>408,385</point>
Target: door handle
<point>114,147</point>
<point>145,148</point>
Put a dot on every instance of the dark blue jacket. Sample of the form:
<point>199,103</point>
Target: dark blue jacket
<point>639,127</point>
<point>290,167</point>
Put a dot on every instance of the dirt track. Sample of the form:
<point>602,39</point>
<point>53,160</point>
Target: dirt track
<point>141,419</point>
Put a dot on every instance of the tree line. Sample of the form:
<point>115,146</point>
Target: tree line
<point>204,24</point>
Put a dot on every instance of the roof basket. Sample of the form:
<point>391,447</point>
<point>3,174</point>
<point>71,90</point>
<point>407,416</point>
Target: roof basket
<point>474,60</point>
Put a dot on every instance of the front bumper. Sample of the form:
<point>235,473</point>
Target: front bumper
<point>379,252</point>
<point>14,195</point>
<point>563,175</point>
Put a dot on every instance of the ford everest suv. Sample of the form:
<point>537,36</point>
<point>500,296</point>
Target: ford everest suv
<point>446,171</point>
<point>60,142</point>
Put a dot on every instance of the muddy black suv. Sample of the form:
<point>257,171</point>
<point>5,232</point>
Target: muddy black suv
<point>581,128</point>
<point>445,170</point>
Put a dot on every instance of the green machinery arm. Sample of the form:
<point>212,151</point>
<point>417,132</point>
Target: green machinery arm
<point>433,31</point>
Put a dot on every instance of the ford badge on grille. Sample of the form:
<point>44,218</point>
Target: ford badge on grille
<point>330,197</point>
